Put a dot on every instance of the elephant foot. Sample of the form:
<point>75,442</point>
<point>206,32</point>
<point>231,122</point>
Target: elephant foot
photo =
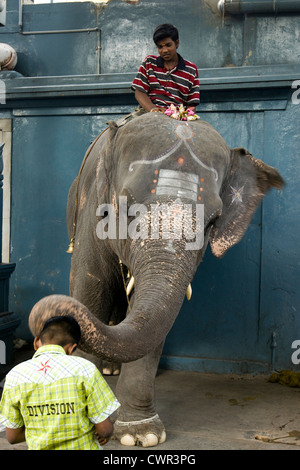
<point>146,432</point>
<point>111,368</point>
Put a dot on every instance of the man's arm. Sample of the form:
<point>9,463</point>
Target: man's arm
<point>14,436</point>
<point>193,98</point>
<point>144,100</point>
<point>104,431</point>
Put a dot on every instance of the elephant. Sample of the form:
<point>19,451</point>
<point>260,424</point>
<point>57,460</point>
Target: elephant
<point>207,193</point>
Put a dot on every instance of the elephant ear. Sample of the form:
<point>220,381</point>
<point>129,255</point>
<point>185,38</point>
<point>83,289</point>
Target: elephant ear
<point>248,180</point>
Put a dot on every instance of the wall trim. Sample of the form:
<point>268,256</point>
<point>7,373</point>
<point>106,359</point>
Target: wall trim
<point>215,79</point>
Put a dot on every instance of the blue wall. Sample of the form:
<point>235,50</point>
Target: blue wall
<point>59,102</point>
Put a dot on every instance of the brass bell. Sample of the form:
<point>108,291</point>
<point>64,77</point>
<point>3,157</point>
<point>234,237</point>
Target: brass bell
<point>71,247</point>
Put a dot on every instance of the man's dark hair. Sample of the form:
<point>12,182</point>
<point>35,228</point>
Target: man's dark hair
<point>164,31</point>
<point>61,330</point>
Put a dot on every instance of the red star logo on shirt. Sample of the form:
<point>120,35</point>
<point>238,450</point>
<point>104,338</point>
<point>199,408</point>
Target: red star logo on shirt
<point>45,367</point>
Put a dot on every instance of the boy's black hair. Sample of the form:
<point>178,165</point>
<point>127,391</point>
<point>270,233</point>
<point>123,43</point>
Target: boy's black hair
<point>61,330</point>
<point>165,30</point>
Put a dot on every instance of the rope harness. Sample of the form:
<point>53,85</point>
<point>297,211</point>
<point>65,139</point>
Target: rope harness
<point>72,241</point>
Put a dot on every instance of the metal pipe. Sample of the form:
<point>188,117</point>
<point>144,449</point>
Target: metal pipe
<point>273,347</point>
<point>20,15</point>
<point>239,7</point>
<point>61,31</point>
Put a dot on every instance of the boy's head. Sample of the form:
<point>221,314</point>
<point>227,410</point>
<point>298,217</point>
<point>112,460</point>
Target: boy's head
<point>61,330</point>
<point>164,31</point>
<point>166,39</point>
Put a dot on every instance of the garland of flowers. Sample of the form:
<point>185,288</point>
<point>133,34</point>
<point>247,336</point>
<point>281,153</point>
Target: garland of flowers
<point>181,114</point>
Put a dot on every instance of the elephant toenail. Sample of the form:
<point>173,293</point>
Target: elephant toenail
<point>127,440</point>
<point>149,440</point>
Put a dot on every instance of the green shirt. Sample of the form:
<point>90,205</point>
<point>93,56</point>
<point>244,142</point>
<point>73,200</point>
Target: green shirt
<point>58,398</point>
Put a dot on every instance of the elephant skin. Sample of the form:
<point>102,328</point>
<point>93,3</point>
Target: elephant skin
<point>151,161</point>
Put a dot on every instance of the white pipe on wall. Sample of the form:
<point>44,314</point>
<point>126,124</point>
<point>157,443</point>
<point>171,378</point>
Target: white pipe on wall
<point>238,7</point>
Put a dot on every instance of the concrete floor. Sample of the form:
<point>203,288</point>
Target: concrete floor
<point>225,412</point>
<point>219,412</point>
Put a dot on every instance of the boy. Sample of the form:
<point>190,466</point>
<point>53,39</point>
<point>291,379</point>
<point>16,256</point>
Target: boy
<point>168,78</point>
<point>57,401</point>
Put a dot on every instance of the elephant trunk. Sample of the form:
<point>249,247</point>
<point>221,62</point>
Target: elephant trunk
<point>159,292</point>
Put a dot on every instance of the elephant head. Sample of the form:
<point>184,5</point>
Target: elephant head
<point>152,161</point>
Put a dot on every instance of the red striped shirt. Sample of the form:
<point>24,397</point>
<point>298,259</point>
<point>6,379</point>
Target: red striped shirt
<point>165,87</point>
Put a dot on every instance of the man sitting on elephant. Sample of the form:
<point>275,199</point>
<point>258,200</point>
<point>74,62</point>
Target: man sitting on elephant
<point>168,78</point>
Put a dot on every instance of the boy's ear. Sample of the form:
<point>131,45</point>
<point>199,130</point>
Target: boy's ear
<point>37,343</point>
<point>70,348</point>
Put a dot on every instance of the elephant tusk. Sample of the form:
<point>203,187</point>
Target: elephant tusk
<point>130,286</point>
<point>189,292</point>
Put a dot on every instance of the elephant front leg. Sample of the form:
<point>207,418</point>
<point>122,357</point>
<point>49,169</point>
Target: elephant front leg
<point>138,423</point>
<point>89,286</point>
